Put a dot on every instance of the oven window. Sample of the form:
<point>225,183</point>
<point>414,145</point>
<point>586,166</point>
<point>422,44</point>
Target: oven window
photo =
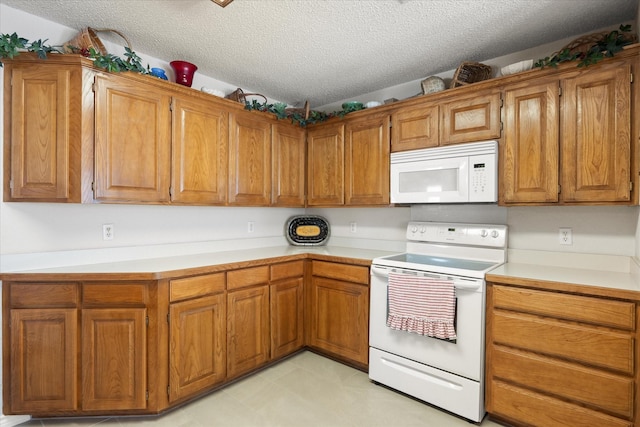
<point>429,181</point>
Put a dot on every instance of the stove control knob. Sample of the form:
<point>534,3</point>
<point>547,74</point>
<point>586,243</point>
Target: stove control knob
<point>423,229</point>
<point>495,234</point>
<point>414,229</point>
<point>484,233</point>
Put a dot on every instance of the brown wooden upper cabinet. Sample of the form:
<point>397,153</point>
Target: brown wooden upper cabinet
<point>449,120</point>
<point>568,138</point>
<point>325,165</point>
<point>288,164</point>
<point>415,127</point>
<point>348,162</point>
<point>200,139</point>
<point>249,160</point>
<point>367,160</point>
<point>472,119</point>
<point>47,129</point>
<point>133,141</point>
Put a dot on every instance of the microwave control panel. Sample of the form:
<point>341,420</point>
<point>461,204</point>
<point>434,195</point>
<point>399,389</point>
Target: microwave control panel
<point>483,176</point>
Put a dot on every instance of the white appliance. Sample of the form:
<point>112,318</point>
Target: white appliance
<point>462,173</point>
<point>446,374</point>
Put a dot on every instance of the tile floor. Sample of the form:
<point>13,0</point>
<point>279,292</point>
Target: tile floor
<point>305,390</point>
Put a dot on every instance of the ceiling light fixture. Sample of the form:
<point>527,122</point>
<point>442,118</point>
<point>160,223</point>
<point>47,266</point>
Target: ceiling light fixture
<point>222,3</point>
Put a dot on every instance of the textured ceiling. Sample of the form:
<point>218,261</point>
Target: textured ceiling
<point>328,50</point>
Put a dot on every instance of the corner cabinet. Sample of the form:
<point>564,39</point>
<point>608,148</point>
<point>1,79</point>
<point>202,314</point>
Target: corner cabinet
<point>288,165</point>
<point>286,291</point>
<point>325,165</point>
<point>568,137</point>
<point>560,358</point>
<point>248,331</point>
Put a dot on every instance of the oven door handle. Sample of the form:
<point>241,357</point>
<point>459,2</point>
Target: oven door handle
<point>467,285</point>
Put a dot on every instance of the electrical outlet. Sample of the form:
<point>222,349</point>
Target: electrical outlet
<point>107,231</point>
<point>565,236</point>
<point>353,226</point>
<point>250,227</point>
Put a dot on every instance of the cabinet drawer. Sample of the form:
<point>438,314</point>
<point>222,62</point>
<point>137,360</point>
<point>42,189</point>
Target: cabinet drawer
<point>528,408</point>
<point>595,388</point>
<point>349,273</point>
<point>126,294</point>
<point>616,314</point>
<point>33,295</point>
<point>191,287</point>
<point>596,347</point>
<point>286,270</point>
<point>247,277</point>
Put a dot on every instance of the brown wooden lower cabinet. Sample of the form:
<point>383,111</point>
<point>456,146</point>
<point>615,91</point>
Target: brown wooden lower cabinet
<point>43,369</point>
<point>126,347</point>
<point>559,358</point>
<point>339,311</point>
<point>75,347</point>
<point>197,345</point>
<point>287,308</point>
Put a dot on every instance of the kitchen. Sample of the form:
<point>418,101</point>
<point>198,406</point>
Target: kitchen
<point>41,233</point>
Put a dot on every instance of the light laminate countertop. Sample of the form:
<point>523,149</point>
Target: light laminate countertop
<point>183,265</point>
<point>617,284</point>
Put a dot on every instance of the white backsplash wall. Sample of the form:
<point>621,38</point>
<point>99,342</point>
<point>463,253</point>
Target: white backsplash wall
<point>47,227</point>
<point>471,213</point>
<point>381,228</point>
<point>609,230</point>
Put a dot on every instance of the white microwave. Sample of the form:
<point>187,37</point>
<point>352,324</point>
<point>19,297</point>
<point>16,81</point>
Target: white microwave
<point>462,173</point>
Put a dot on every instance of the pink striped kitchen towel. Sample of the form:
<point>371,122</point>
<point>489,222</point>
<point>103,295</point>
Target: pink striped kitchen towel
<point>422,305</point>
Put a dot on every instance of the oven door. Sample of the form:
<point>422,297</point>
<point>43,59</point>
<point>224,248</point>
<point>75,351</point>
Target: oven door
<point>464,357</point>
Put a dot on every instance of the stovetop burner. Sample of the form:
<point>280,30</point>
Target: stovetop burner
<point>449,248</point>
<point>437,261</point>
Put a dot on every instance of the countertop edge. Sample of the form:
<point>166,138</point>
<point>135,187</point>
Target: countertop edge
<point>84,272</point>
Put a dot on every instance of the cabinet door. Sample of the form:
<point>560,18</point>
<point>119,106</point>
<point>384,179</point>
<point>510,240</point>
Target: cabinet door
<point>197,345</point>
<point>340,319</point>
<point>529,155</point>
<point>471,119</point>
<point>44,365</point>
<point>596,135</point>
<point>249,160</point>
<point>199,146</point>
<point>288,163</point>
<point>247,329</point>
<point>415,127</point>
<point>44,107</point>
<point>287,324</point>
<point>133,138</point>
<point>325,165</point>
<point>367,161</point>
<point>114,355</point>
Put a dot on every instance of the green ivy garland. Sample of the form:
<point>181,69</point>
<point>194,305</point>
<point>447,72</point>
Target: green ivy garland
<point>605,48</point>
<point>282,112</point>
<point>11,45</point>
